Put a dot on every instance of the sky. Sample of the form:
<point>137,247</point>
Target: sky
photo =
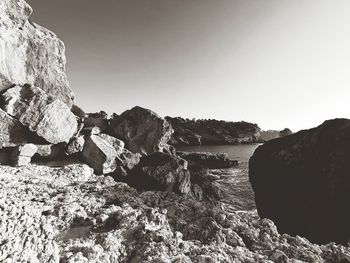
<point>277,63</point>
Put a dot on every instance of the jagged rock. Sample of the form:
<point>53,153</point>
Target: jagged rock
<point>116,143</point>
<point>22,155</point>
<point>128,159</point>
<point>142,130</point>
<point>209,160</point>
<point>75,145</point>
<point>12,132</point>
<point>99,119</point>
<point>31,54</point>
<point>301,182</point>
<point>161,172</point>
<point>49,118</point>
<point>212,132</point>
<point>99,154</point>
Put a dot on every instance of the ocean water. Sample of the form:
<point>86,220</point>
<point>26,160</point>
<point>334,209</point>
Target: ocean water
<point>237,193</point>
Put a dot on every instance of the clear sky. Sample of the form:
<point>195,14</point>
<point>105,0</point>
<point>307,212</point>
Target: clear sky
<point>277,63</point>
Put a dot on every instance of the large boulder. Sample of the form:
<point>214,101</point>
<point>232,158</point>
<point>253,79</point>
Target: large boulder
<point>142,130</point>
<point>12,132</point>
<point>44,115</point>
<point>162,172</point>
<point>302,182</point>
<point>31,54</point>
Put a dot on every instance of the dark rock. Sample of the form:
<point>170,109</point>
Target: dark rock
<point>46,152</point>
<point>99,119</point>
<point>12,132</point>
<point>212,132</point>
<point>161,172</point>
<point>44,115</point>
<point>142,130</point>
<point>209,160</point>
<point>302,182</point>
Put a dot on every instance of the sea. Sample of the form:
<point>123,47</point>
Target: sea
<point>236,191</point>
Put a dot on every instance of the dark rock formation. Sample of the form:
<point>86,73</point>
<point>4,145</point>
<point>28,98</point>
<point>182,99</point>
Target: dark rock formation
<point>142,130</point>
<point>31,54</point>
<point>12,132</point>
<point>212,132</point>
<point>302,182</point>
<point>272,134</point>
<point>161,172</point>
<point>99,119</point>
<point>44,115</point>
<point>209,160</point>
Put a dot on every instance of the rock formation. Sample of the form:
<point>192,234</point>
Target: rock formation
<point>212,132</point>
<point>59,210</point>
<point>12,132</point>
<point>301,182</point>
<point>44,115</point>
<point>31,54</point>
<point>142,130</point>
<point>273,134</point>
<point>209,160</point>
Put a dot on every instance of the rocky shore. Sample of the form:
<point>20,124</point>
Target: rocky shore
<point>88,187</point>
<point>215,132</point>
<point>212,132</point>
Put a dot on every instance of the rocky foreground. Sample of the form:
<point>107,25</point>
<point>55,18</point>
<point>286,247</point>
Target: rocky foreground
<point>68,214</point>
<point>80,187</point>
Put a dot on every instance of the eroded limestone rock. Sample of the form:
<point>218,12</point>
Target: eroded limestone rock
<point>31,54</point>
<point>44,115</point>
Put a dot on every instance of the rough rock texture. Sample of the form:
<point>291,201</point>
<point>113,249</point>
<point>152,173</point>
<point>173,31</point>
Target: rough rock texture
<point>12,132</point>
<point>142,130</point>
<point>212,132</point>
<point>161,172</point>
<point>209,160</point>
<point>302,182</point>
<point>99,154</point>
<point>75,145</point>
<point>48,117</point>
<point>70,215</point>
<point>30,54</point>
<point>172,174</point>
